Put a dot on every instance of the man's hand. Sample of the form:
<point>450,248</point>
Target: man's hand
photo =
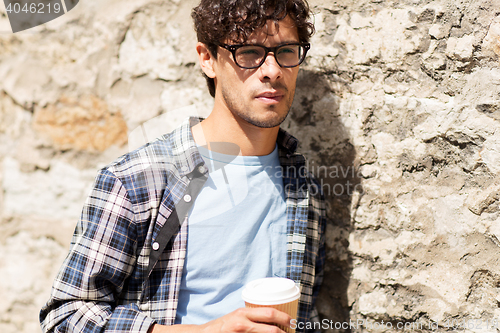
<point>249,320</point>
<point>243,320</point>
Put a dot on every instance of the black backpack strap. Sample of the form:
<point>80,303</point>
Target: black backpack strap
<point>176,218</point>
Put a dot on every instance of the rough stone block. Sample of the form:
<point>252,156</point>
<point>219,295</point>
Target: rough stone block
<point>84,123</point>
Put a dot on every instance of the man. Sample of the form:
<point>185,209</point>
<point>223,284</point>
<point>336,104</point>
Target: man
<point>167,239</point>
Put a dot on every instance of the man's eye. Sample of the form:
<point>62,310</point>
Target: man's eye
<point>249,51</point>
<point>285,50</point>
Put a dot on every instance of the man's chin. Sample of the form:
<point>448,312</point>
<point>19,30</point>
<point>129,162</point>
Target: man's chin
<point>270,122</point>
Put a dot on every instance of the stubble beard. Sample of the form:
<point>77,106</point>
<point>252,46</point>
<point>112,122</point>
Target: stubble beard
<point>240,111</point>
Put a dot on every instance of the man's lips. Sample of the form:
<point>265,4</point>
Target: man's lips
<point>270,96</point>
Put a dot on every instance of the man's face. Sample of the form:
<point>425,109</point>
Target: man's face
<point>262,96</point>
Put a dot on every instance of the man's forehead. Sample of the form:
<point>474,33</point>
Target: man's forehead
<point>283,30</point>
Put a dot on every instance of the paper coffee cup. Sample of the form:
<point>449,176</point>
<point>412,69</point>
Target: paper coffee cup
<point>279,293</point>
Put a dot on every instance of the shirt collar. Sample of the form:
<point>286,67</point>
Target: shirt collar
<point>189,159</point>
<point>287,142</point>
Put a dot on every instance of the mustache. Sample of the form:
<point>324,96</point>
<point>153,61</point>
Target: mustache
<point>272,86</point>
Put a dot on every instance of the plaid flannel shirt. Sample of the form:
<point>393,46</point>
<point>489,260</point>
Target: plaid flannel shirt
<point>109,282</point>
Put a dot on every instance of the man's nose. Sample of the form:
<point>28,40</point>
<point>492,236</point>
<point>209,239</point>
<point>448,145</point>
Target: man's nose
<point>270,69</point>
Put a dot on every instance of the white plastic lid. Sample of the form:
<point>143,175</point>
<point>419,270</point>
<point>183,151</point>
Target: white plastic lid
<point>270,291</point>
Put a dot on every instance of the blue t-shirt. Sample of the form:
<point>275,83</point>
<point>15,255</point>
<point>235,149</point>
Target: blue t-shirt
<point>236,234</point>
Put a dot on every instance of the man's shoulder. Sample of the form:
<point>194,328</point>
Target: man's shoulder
<point>150,165</point>
<point>165,151</point>
<point>159,151</point>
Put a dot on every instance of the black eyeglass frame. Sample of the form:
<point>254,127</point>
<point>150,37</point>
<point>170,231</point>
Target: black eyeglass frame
<point>233,48</point>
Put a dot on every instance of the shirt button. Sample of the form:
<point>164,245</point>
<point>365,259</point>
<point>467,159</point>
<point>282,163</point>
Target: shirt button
<point>156,246</point>
<point>184,168</point>
<point>202,169</point>
<point>187,198</point>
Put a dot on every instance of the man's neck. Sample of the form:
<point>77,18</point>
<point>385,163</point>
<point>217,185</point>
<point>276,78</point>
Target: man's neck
<point>252,140</point>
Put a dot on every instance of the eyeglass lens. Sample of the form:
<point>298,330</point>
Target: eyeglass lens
<point>253,55</point>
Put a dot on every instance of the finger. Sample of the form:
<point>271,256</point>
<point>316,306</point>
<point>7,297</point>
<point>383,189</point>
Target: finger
<point>269,315</point>
<point>266,328</point>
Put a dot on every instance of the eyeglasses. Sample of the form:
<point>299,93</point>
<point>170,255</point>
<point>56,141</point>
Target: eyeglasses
<point>253,56</point>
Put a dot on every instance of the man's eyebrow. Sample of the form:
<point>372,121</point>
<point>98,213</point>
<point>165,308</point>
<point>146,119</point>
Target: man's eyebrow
<point>290,42</point>
<point>282,43</point>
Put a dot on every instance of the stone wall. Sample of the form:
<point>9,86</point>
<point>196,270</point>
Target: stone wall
<point>397,109</point>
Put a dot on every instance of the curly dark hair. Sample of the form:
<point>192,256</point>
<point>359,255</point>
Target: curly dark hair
<point>217,21</point>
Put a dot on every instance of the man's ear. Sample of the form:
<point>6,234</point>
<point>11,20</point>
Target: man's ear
<point>207,61</point>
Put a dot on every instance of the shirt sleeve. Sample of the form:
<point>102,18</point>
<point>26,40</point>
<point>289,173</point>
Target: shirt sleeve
<point>320,265</point>
<point>319,209</point>
<point>86,291</point>
<point>319,270</point>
